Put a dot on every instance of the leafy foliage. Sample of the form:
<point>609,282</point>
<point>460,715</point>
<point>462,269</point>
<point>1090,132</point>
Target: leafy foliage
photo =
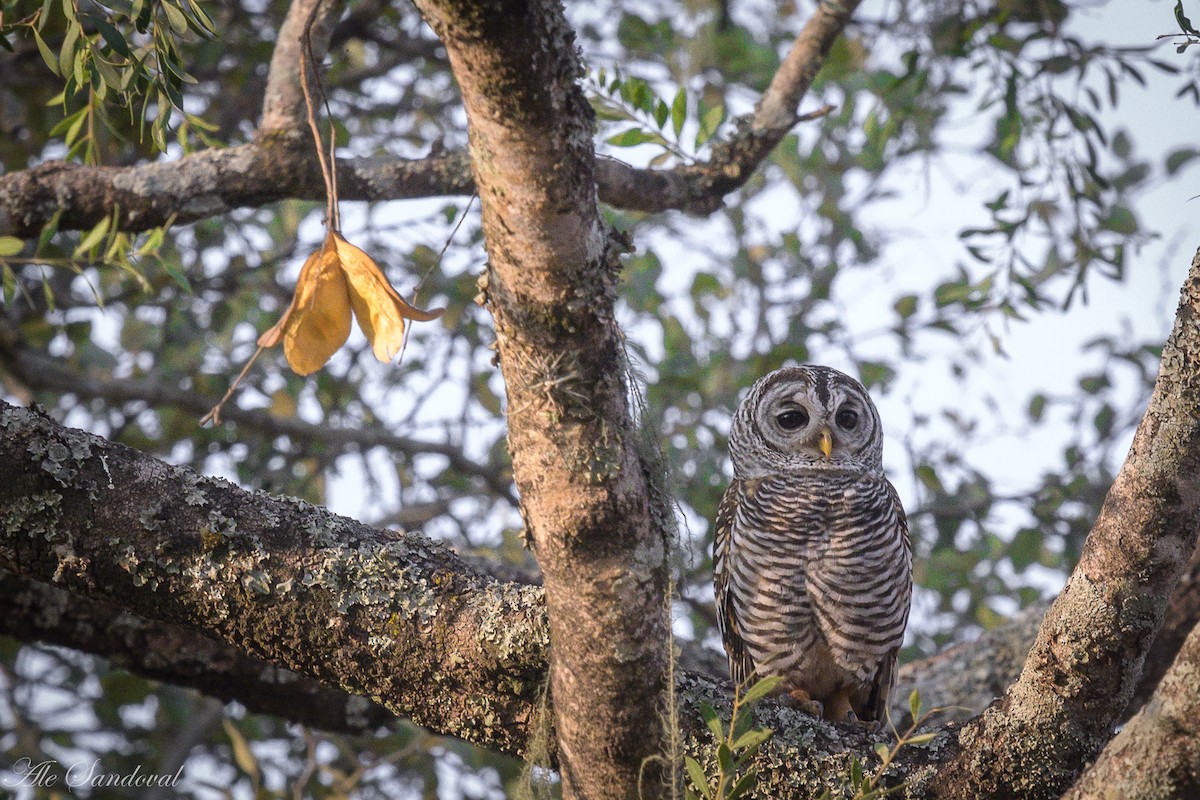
<point>737,743</point>
<point>813,260</point>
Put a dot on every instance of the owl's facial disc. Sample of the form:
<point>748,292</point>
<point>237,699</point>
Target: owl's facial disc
<point>813,427</point>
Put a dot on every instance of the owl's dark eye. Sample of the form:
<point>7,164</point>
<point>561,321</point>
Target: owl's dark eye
<point>793,419</point>
<point>847,418</point>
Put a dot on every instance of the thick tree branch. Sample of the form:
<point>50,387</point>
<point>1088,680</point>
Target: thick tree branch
<point>1182,617</point>
<point>42,372</point>
<point>210,183</point>
<point>215,182</point>
<point>1088,656</point>
<point>387,615</point>
<point>119,526</point>
<point>699,188</point>
<point>283,98</point>
<point>1156,756</point>
<point>160,650</point>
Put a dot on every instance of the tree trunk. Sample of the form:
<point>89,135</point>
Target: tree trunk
<point>600,538</point>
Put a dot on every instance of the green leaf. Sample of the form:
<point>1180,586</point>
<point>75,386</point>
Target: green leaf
<point>177,275</point>
<point>1037,407</point>
<point>661,113</point>
<point>710,121</point>
<point>176,17</point>
<point>921,738</point>
<point>48,231</point>
<point>679,111</point>
<point>93,237</point>
<point>856,773</point>
<point>44,16</point>
<point>725,759</point>
<point>906,306</point>
<point>761,689</point>
<point>47,54</point>
<point>914,705</point>
<point>107,74</point>
<point>66,54</point>
<point>744,786</point>
<point>709,715</point>
<point>635,136</point>
<point>882,750</point>
<point>201,18</point>
<point>697,776</point>
<point>928,476</point>
<point>752,738</point>
<point>1178,159</point>
<point>113,37</point>
<point>10,284</point>
<point>10,246</point>
<point>1120,220</point>
<point>242,754</point>
<point>1185,24</point>
<point>75,127</point>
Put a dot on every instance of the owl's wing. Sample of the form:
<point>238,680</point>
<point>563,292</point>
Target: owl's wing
<point>740,666</point>
<point>861,587</point>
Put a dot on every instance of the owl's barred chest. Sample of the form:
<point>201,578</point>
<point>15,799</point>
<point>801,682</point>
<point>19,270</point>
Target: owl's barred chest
<point>788,524</point>
<point>805,514</point>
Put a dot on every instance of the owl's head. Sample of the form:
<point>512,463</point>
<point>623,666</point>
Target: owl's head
<point>805,417</point>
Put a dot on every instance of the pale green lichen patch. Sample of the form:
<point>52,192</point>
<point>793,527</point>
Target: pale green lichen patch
<point>149,517</point>
<point>60,461</point>
<point>35,515</point>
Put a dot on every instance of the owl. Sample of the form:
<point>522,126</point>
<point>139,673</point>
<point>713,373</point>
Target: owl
<point>812,561</point>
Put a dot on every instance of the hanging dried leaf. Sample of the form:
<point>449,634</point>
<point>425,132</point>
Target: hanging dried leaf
<point>317,322</point>
<point>379,309</point>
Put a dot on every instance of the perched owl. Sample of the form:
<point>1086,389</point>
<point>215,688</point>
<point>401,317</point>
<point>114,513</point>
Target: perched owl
<point>812,563</point>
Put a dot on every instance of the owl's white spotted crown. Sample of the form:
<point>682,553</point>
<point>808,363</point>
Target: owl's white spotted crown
<point>805,418</point>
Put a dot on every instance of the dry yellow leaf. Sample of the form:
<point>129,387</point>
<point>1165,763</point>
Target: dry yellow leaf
<point>317,322</point>
<point>379,309</point>
<point>335,280</point>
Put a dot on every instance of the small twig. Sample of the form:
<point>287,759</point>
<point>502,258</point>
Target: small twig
<point>214,414</point>
<point>823,111</point>
<point>416,289</point>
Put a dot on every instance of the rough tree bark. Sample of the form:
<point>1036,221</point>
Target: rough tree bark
<point>1156,756</point>
<point>390,616</point>
<point>600,537</point>
<point>1087,660</point>
<point>365,610</point>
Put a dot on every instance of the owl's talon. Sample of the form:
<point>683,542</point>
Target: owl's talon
<point>801,700</point>
<point>850,718</point>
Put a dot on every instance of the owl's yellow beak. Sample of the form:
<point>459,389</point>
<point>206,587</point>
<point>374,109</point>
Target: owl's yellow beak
<point>826,442</point>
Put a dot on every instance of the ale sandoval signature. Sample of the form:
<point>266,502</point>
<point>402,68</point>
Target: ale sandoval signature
<point>53,774</point>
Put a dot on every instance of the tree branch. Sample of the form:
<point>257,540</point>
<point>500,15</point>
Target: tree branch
<point>1086,662</point>
<point>214,182</point>
<point>1183,614</point>
<point>1157,754</point>
<point>210,183</point>
<point>391,616</point>
<point>283,99</point>
<point>700,188</point>
<point>162,651</point>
